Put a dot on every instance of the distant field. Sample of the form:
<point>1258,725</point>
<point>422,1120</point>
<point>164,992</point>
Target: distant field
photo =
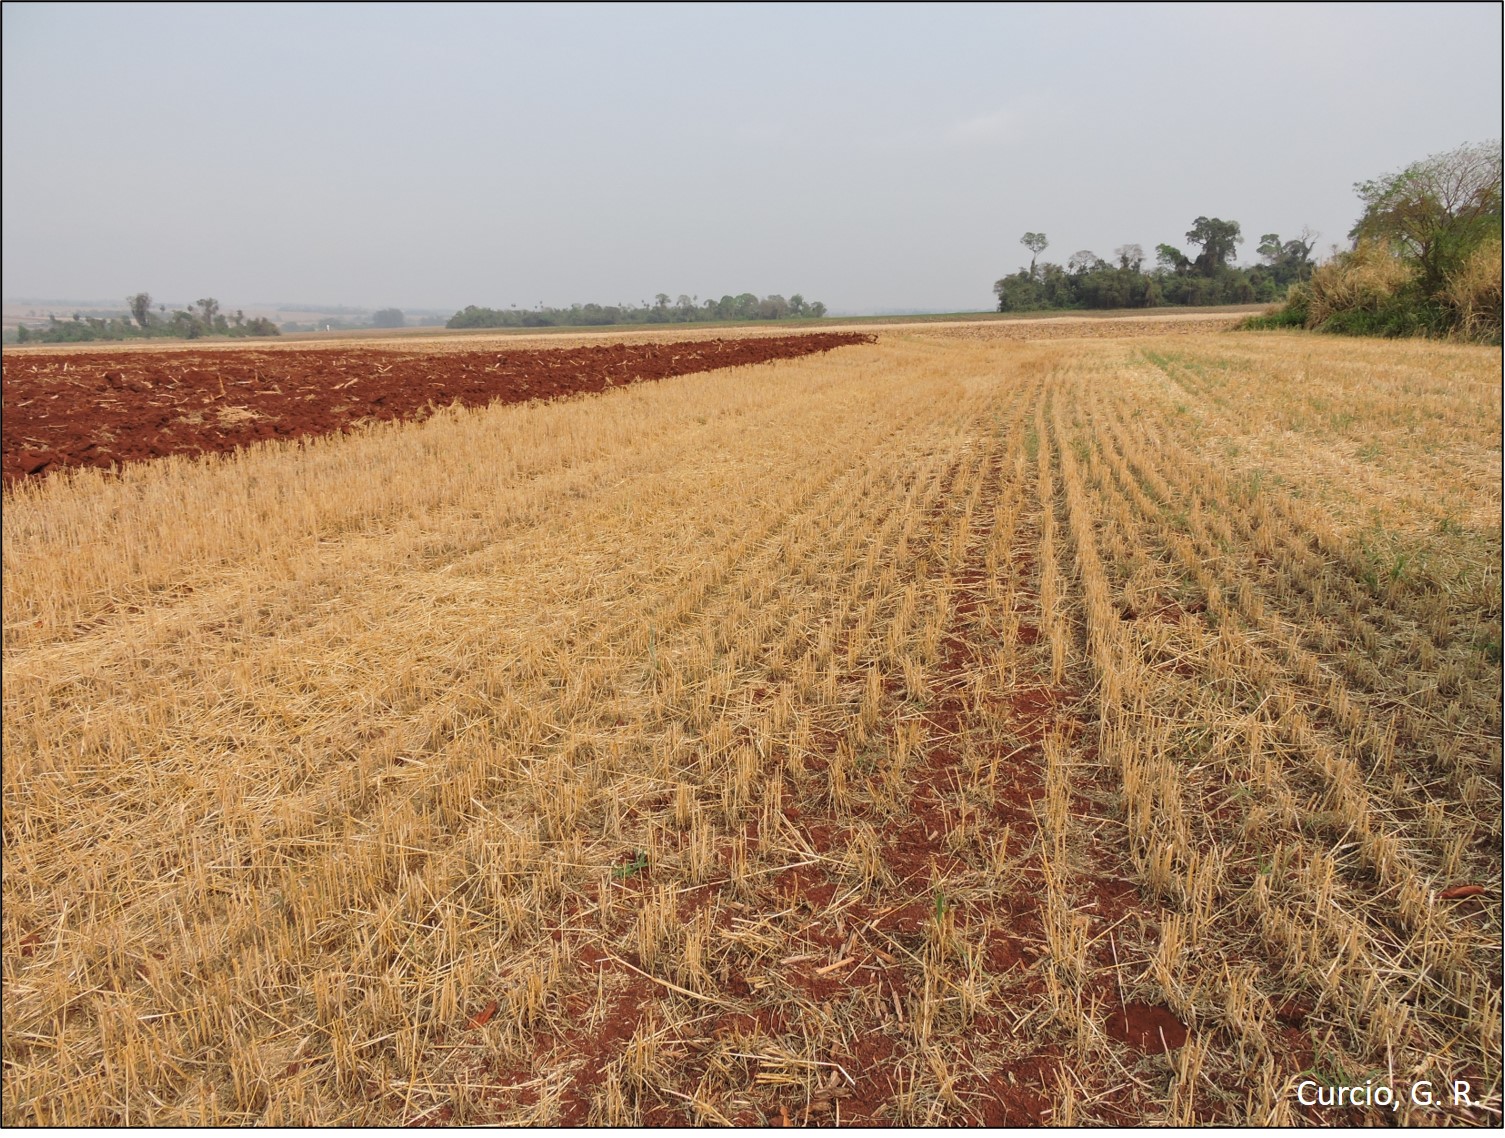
<point>1095,726</point>
<point>466,337</point>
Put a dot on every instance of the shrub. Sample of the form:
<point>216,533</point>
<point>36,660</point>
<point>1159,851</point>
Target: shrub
<point>1426,258</point>
<point>1288,315</point>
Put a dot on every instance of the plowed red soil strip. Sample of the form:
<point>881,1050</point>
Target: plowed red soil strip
<point>105,408</point>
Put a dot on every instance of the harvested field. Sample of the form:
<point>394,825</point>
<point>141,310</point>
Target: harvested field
<point>101,409</point>
<point>951,729</point>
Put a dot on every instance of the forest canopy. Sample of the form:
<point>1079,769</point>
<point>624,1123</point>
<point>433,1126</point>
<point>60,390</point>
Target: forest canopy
<point>1206,277</point>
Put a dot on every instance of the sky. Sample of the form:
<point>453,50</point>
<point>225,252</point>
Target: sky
<point>875,158</point>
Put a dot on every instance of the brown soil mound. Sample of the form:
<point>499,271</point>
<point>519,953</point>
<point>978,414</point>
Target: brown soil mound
<point>106,408</point>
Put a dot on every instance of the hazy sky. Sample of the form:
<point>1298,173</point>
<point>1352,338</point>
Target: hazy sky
<point>870,157</point>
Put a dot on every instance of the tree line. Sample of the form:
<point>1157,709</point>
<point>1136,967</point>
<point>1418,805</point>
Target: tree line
<point>685,310</point>
<point>1425,257</point>
<point>141,321</point>
<point>1209,277</point>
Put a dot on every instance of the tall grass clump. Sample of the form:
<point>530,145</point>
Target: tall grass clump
<point>1474,294</point>
<point>1371,291</point>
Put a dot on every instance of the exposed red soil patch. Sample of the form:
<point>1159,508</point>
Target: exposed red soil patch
<point>106,408</point>
<point>1111,898</point>
<point>1293,1012</point>
<point>804,887</point>
<point>598,1045</point>
<point>1002,952</point>
<point>1148,1027</point>
<point>871,1063</point>
<point>1016,1097</point>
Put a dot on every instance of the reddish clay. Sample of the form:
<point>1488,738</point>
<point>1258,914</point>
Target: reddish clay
<point>107,408</point>
<point>1149,1027</point>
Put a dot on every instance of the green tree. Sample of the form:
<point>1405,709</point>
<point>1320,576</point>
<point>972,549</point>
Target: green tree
<point>1036,243</point>
<point>1218,240</point>
<point>1436,211</point>
<point>1171,258</point>
<point>773,307</point>
<point>388,318</point>
<point>261,326</point>
<point>1288,261</point>
<point>141,308</point>
<point>1018,292</point>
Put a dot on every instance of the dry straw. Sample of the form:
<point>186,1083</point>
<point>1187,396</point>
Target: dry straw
<point>847,740</point>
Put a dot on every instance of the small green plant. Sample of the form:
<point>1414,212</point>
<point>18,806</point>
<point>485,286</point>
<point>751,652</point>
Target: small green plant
<point>1250,483</point>
<point>638,863</point>
<point>1327,1068</point>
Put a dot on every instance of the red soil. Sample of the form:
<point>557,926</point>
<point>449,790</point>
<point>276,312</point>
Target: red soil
<point>106,408</point>
<point>1149,1027</point>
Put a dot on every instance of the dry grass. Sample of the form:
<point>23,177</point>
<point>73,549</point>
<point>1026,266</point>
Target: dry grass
<point>1365,279</point>
<point>844,739</point>
<point>1476,292</point>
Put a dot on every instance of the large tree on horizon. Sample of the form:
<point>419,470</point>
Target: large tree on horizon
<point>1218,239</point>
<point>1035,243</point>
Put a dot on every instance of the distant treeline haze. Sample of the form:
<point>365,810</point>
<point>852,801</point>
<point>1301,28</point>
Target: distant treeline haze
<point>202,318</point>
<point>685,310</point>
